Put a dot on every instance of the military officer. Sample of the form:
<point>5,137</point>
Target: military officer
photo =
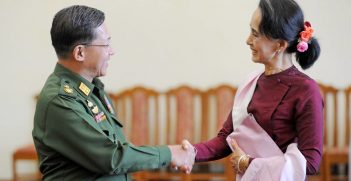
<point>76,132</point>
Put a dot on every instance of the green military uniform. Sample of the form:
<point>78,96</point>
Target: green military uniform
<point>78,137</point>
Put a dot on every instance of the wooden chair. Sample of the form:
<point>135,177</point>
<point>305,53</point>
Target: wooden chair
<point>347,92</point>
<point>217,104</point>
<point>333,153</point>
<point>27,152</point>
<point>336,153</point>
<point>137,109</point>
<point>183,119</point>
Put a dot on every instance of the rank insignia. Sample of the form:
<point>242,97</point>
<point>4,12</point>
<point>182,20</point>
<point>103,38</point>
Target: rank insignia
<point>90,104</point>
<point>95,110</point>
<point>109,106</point>
<point>100,117</point>
<point>85,89</point>
<point>67,89</point>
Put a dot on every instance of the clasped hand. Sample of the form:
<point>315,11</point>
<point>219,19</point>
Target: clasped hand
<point>183,156</point>
<point>239,160</point>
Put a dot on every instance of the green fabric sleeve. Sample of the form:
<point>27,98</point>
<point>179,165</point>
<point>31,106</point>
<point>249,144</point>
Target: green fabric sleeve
<point>70,130</point>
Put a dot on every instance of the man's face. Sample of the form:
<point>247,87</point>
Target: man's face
<point>98,53</point>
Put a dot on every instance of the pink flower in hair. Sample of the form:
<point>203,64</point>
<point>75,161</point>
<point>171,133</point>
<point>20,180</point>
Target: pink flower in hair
<point>305,37</point>
<point>302,46</point>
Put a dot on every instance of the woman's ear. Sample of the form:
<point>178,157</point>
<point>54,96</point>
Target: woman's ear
<point>282,45</point>
<point>79,53</point>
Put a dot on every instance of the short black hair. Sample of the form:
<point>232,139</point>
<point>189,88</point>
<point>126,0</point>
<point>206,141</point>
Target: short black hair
<point>284,19</point>
<point>74,25</point>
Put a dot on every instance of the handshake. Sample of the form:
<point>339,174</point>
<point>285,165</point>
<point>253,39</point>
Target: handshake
<point>183,156</point>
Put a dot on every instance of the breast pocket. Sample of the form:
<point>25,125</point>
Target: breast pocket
<point>118,129</point>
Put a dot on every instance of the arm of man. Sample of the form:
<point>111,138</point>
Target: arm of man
<point>68,131</point>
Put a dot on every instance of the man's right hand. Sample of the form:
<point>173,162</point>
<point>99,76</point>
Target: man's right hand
<point>183,156</point>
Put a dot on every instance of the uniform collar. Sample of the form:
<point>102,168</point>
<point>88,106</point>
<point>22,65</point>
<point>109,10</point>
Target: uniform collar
<point>82,85</point>
<point>98,84</point>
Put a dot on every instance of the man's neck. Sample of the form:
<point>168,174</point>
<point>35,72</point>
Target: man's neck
<point>75,67</point>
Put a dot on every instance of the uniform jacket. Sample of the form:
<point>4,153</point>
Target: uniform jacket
<point>78,136</point>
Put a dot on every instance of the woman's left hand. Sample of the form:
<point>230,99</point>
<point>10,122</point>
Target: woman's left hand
<point>234,159</point>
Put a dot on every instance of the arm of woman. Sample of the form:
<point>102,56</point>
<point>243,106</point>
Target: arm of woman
<point>309,125</point>
<point>217,147</point>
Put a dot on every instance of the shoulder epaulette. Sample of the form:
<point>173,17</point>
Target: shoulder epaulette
<point>67,89</point>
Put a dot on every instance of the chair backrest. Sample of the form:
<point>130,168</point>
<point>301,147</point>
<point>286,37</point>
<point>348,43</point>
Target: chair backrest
<point>218,102</point>
<point>330,98</point>
<point>137,108</point>
<point>347,92</point>
<point>183,114</point>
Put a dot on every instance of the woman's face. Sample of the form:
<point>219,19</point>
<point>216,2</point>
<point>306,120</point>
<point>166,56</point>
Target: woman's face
<point>263,48</point>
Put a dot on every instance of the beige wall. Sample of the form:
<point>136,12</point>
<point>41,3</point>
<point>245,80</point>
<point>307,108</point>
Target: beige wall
<point>158,43</point>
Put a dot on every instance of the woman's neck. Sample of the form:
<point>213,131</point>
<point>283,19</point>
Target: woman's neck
<point>281,63</point>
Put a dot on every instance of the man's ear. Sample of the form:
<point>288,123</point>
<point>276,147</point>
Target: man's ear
<point>79,52</point>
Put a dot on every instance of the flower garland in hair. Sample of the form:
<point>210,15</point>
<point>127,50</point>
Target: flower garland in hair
<point>305,37</point>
